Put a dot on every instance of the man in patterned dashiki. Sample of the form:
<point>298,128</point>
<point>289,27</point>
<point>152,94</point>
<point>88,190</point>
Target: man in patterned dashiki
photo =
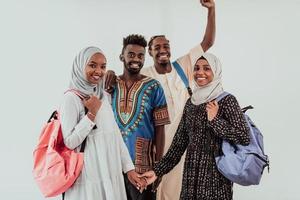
<point>141,113</point>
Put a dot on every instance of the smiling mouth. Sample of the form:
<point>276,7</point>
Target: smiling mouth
<point>96,78</point>
<point>163,57</point>
<point>134,66</point>
<point>200,78</point>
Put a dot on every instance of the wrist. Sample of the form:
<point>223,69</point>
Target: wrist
<point>211,9</point>
<point>91,114</point>
<point>130,171</point>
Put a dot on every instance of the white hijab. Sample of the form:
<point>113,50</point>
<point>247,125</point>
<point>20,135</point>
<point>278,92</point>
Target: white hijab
<point>203,94</point>
<point>78,76</point>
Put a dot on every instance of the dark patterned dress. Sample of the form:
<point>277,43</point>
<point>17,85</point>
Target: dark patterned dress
<point>202,140</point>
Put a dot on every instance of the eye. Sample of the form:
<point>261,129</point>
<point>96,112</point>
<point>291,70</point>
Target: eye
<point>131,55</point>
<point>196,68</point>
<point>206,68</point>
<point>92,65</point>
<point>141,56</point>
<point>103,66</point>
<point>166,46</point>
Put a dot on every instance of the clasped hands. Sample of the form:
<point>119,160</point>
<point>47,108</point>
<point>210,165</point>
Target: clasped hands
<point>141,181</point>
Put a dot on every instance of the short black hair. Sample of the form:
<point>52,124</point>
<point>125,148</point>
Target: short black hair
<point>152,38</point>
<point>134,39</point>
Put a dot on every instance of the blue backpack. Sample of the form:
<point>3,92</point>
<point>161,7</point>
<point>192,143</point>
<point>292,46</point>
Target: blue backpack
<point>240,164</point>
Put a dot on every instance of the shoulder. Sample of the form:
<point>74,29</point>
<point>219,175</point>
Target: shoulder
<point>147,70</point>
<point>229,98</point>
<point>189,106</point>
<point>70,96</point>
<point>71,100</point>
<point>151,81</point>
<point>229,102</point>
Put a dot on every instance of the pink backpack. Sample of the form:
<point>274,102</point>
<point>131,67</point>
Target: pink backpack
<point>56,167</point>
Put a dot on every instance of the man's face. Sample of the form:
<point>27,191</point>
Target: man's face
<point>160,51</point>
<point>133,58</point>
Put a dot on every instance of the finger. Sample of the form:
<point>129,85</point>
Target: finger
<point>210,103</point>
<point>209,106</point>
<point>84,101</point>
<point>146,174</point>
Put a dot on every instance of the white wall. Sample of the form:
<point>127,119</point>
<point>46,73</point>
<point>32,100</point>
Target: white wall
<point>257,42</point>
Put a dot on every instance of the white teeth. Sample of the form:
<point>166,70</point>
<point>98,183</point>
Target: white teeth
<point>135,66</point>
<point>201,78</point>
<point>96,77</point>
<point>164,56</point>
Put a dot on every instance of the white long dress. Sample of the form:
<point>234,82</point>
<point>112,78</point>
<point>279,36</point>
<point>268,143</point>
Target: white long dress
<point>105,154</point>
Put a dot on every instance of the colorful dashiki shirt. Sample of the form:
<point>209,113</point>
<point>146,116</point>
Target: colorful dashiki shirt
<point>137,111</point>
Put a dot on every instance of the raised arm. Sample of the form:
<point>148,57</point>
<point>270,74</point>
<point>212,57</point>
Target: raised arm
<point>210,32</point>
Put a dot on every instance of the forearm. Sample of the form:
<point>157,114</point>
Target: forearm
<point>238,134</point>
<point>73,137</point>
<point>173,156</point>
<point>159,141</point>
<point>210,32</point>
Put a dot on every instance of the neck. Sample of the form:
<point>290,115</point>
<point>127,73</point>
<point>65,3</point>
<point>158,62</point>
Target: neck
<point>126,76</point>
<point>163,68</point>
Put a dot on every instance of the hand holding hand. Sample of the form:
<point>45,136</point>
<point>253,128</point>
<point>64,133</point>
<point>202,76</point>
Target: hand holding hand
<point>207,3</point>
<point>138,182</point>
<point>212,110</point>
<point>150,176</point>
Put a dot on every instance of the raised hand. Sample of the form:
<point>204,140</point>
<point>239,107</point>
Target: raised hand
<point>212,110</point>
<point>207,3</point>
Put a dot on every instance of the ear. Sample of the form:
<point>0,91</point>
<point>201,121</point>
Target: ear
<point>121,57</point>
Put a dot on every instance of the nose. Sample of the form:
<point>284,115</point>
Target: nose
<point>200,71</point>
<point>136,59</point>
<point>162,50</point>
<point>99,70</point>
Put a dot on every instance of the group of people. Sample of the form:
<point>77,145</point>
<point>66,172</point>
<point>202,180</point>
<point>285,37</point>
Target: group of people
<point>138,125</point>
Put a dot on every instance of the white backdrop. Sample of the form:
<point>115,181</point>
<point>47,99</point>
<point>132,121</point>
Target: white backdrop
<point>256,40</point>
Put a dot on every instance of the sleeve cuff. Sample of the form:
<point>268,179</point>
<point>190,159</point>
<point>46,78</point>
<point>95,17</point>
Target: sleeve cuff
<point>85,123</point>
<point>128,168</point>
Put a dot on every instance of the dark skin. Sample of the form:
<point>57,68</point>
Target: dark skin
<point>160,48</point>
<point>163,47</point>
<point>159,147</point>
<point>133,58</point>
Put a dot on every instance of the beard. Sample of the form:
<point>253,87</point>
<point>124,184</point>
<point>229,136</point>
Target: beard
<point>164,64</point>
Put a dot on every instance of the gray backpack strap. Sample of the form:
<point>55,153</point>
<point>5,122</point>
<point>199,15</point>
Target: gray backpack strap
<point>221,96</point>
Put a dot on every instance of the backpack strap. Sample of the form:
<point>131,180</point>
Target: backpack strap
<point>221,96</point>
<point>183,77</point>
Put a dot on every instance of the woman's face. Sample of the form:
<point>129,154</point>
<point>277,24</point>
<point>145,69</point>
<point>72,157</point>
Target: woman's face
<point>203,74</point>
<point>95,68</point>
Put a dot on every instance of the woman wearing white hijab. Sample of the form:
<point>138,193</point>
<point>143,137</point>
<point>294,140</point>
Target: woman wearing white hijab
<point>204,124</point>
<point>105,154</point>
